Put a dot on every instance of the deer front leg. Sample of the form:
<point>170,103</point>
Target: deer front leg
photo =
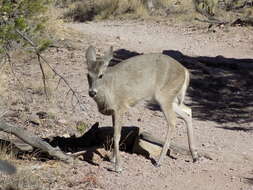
<point>117,125</point>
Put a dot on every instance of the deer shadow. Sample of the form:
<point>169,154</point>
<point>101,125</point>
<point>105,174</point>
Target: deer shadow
<point>86,146</point>
<point>96,137</point>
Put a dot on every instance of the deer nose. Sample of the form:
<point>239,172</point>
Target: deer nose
<point>92,93</point>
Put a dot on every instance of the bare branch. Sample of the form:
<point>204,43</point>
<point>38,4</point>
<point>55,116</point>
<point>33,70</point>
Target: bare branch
<point>67,83</point>
<point>93,148</point>
<point>40,57</point>
<point>43,76</point>
<point>3,113</point>
<point>26,38</point>
<point>59,81</point>
<point>212,21</point>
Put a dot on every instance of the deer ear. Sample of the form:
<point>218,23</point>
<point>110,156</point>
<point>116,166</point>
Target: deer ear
<point>106,60</point>
<point>90,55</point>
<point>109,55</point>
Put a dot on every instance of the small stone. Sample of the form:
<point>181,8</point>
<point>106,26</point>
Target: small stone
<point>66,135</point>
<point>62,121</point>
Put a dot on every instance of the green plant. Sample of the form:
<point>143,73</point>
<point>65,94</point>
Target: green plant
<point>81,126</point>
<point>22,24</point>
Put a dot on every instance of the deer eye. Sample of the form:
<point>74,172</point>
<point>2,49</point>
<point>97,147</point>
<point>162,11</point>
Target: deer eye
<point>100,76</point>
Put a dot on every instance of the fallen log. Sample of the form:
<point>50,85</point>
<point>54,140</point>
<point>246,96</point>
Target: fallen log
<point>153,146</point>
<point>35,141</point>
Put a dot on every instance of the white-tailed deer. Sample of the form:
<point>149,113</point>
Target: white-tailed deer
<point>154,76</point>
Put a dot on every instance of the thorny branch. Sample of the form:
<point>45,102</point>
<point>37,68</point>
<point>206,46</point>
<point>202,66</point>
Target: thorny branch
<point>40,57</point>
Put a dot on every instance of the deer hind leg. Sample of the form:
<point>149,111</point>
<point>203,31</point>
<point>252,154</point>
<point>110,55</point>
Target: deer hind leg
<point>170,116</point>
<point>185,113</point>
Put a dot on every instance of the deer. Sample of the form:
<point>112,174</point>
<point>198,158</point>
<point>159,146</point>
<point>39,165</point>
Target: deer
<point>152,76</point>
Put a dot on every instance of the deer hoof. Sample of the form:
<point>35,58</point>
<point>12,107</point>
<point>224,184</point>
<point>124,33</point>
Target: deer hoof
<point>157,164</point>
<point>112,159</point>
<point>118,169</point>
<point>195,157</point>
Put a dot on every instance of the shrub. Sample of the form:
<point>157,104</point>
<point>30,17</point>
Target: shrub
<point>19,19</point>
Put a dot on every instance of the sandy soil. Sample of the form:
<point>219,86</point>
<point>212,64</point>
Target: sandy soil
<point>230,140</point>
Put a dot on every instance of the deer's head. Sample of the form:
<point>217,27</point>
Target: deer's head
<point>96,68</point>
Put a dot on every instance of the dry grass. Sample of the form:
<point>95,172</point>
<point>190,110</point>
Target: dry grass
<point>22,179</point>
<point>175,11</point>
<point>6,152</point>
<point>54,25</point>
<point>108,9</point>
<point>55,29</point>
<point>172,10</point>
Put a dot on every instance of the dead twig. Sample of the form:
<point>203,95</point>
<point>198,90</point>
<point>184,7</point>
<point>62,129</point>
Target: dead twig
<point>43,76</point>
<point>123,140</point>
<point>212,21</point>
<point>3,113</point>
<point>248,21</point>
<point>76,154</point>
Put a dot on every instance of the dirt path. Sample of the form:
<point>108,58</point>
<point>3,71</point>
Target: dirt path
<point>155,37</point>
<point>233,160</point>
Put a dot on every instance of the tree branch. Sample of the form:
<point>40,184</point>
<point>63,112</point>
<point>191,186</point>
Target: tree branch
<point>55,72</point>
<point>43,76</point>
